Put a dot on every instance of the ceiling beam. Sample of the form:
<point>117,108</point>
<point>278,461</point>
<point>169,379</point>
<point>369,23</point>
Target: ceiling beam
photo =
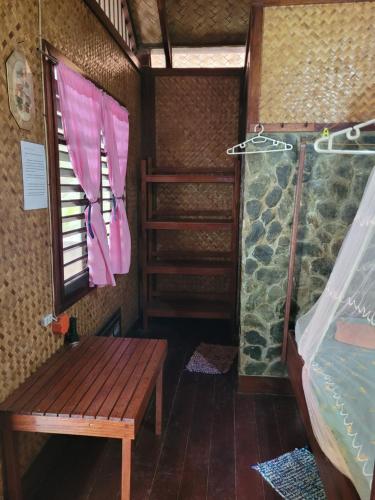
<point>254,63</point>
<point>164,32</point>
<point>280,3</point>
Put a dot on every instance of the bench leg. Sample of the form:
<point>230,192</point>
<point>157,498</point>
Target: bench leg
<point>159,403</point>
<point>126,469</point>
<point>10,463</point>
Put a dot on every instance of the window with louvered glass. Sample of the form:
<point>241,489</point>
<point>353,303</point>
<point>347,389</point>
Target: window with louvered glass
<point>72,203</point>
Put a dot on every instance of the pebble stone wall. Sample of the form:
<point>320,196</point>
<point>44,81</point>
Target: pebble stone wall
<point>333,187</point>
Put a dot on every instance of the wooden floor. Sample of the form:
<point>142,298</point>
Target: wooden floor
<point>211,437</point>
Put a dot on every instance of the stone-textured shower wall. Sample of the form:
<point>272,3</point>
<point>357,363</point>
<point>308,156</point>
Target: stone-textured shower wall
<point>316,67</point>
<point>333,187</point>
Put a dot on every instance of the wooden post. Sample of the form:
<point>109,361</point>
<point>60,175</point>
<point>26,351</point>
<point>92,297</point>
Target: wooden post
<point>126,469</point>
<point>293,247</point>
<point>255,62</point>
<point>164,31</point>
<point>144,244</point>
<point>159,404</point>
<point>10,463</point>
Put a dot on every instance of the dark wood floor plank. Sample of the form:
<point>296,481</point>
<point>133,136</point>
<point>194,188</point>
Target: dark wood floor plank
<point>147,446</point>
<point>194,480</point>
<point>269,438</point>
<point>290,427</point>
<point>107,481</point>
<point>169,468</point>
<point>247,449</point>
<point>72,478</point>
<point>221,477</point>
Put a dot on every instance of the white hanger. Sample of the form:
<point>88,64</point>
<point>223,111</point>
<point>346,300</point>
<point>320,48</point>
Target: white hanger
<point>352,133</point>
<point>259,139</point>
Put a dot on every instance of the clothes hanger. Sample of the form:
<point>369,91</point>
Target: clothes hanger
<point>259,139</point>
<point>352,133</point>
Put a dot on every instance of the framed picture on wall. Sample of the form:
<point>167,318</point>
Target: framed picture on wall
<point>20,90</point>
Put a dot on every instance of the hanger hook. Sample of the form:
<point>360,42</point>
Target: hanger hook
<point>260,126</point>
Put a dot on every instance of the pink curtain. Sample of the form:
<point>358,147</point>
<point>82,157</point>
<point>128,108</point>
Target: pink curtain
<point>116,134</point>
<point>80,104</point>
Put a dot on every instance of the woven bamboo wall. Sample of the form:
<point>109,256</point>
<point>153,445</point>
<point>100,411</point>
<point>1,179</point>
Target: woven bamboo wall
<point>192,22</point>
<point>25,258</point>
<point>147,27</point>
<point>199,22</point>
<point>318,63</point>
<point>186,241</point>
<point>204,196</point>
<point>196,120</point>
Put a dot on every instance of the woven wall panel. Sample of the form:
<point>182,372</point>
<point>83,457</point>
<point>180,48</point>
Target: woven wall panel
<point>199,196</point>
<point>193,284</point>
<point>199,22</point>
<point>190,241</point>
<point>25,258</point>
<point>193,130</point>
<point>146,21</point>
<point>25,290</point>
<point>318,63</point>
<point>196,121</point>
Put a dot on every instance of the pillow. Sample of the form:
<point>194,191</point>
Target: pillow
<point>356,333</point>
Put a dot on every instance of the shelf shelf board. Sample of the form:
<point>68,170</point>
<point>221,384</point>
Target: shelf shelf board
<point>191,309</point>
<point>189,268</point>
<point>211,256</point>
<point>184,223</point>
<point>224,215</point>
<point>201,178</point>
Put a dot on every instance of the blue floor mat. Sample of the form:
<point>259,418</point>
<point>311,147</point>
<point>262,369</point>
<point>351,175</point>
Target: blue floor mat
<point>294,475</point>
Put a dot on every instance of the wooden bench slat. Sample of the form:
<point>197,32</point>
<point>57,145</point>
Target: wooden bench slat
<point>54,361</point>
<point>141,396</point>
<point>87,378</point>
<point>105,390</point>
<point>70,392</point>
<point>90,396</point>
<point>106,383</point>
<point>45,383</point>
<point>64,379</point>
<point>118,411</point>
<point>121,383</point>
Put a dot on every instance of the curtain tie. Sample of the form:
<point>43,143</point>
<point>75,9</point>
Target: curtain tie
<point>89,227</point>
<point>114,203</point>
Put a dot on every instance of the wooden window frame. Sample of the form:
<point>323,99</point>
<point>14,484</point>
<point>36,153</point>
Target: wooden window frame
<point>64,296</point>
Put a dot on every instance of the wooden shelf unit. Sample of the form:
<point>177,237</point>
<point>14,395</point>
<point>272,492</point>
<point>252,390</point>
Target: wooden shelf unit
<point>220,304</point>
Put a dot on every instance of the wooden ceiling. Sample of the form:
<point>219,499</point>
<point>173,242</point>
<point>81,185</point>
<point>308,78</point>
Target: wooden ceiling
<point>191,22</point>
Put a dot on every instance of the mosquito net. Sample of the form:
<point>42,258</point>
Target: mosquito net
<point>336,339</point>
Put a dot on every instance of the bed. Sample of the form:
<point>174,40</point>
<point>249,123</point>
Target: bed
<point>339,362</point>
<point>332,373</point>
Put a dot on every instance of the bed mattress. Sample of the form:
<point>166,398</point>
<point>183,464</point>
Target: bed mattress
<point>344,386</point>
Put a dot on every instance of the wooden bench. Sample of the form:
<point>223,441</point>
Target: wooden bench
<point>99,388</point>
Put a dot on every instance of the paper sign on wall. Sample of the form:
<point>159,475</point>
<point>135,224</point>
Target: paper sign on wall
<point>35,193</point>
